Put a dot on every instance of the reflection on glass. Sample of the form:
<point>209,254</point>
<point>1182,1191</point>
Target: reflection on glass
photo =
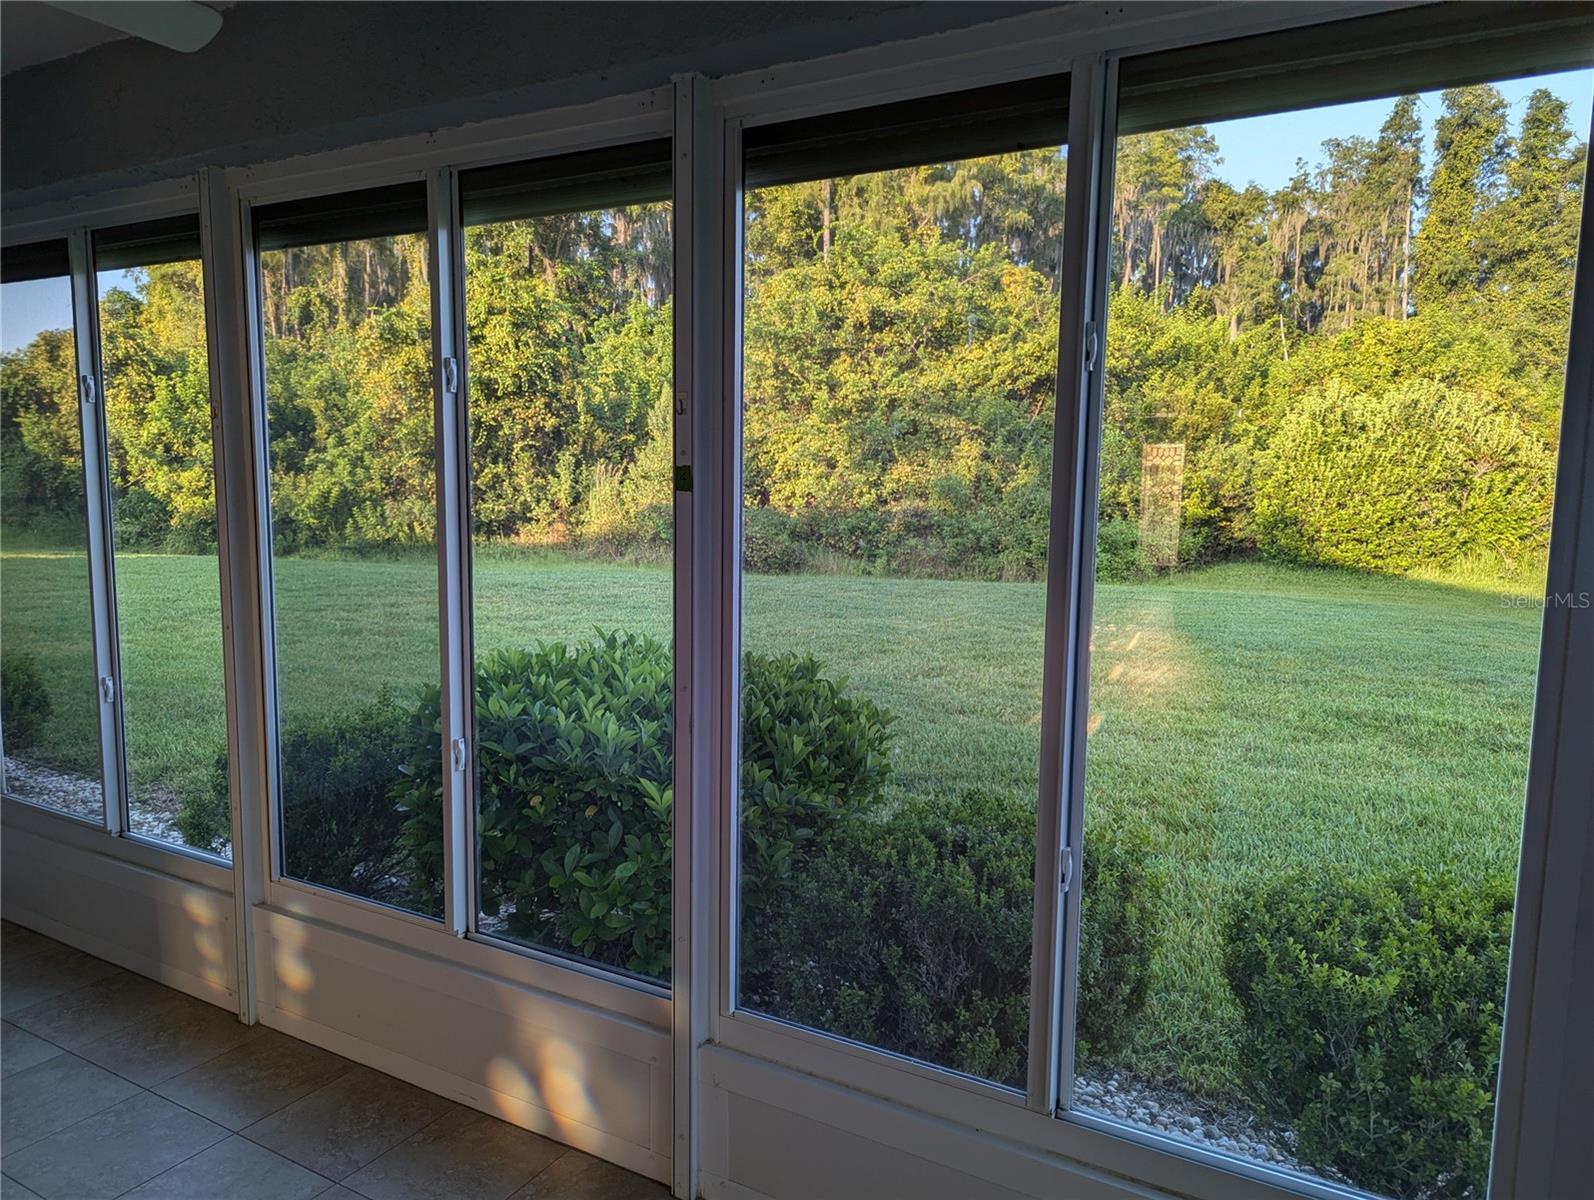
<point>49,702</point>
<point>168,586</point>
<point>900,357</point>
<point>1331,417</point>
<point>569,323</point>
<point>353,514</point>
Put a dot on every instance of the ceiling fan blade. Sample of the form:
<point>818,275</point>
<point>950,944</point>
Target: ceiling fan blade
<point>175,24</point>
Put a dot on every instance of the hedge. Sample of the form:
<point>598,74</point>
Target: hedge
<point>1371,1023</point>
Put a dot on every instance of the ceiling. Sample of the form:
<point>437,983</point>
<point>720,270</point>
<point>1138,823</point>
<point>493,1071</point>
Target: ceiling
<point>32,32</point>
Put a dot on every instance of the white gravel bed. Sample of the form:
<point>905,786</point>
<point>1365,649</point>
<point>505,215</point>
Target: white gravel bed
<point>153,816</point>
<point>54,789</point>
<point>1203,1123</point>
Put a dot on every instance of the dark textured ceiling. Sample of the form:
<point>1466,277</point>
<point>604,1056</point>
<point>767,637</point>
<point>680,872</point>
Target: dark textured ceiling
<point>32,32</point>
<point>286,78</point>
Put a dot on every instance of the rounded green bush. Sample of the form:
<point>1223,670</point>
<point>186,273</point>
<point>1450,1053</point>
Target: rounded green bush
<point>574,758</point>
<point>1371,1023</point>
<point>24,701</point>
<point>1417,474</point>
<point>913,931</point>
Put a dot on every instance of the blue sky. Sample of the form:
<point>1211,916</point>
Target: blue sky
<point>1262,150</point>
<point>26,308</point>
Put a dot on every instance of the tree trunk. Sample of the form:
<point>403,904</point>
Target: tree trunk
<point>827,195</point>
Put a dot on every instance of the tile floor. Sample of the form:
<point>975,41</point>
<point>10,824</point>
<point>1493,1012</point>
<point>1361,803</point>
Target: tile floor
<point>114,1086</point>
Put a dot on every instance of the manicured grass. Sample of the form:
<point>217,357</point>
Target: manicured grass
<point>1257,719</point>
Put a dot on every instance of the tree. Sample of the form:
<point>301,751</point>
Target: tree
<point>1469,146</point>
<point>1531,234</point>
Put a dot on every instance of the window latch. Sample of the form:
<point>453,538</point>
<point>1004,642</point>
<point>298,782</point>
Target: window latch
<point>1065,878</point>
<point>1092,345</point>
<point>457,754</point>
<point>107,689</point>
<point>86,388</point>
<point>450,375</point>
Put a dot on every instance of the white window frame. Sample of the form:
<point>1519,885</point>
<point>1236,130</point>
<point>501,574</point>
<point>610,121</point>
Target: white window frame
<point>76,224</point>
<point>436,161</point>
<point>706,119</point>
<point>1038,1118</point>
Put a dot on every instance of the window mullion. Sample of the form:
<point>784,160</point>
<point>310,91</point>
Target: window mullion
<point>704,196</point>
<point>1070,558</point>
<point>244,597</point>
<point>453,542</point>
<point>96,498</point>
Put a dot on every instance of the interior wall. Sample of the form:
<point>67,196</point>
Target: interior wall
<point>282,79</point>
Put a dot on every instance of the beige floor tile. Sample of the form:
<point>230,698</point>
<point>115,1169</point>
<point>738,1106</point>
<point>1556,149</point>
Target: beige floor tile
<point>20,1050</point>
<point>50,971</point>
<point>254,1080</point>
<point>103,1156</point>
<point>235,1169</point>
<point>351,1121</point>
<point>464,1156</point>
<point>53,1095</point>
<point>578,1176</point>
<point>176,1036</point>
<point>86,1014</point>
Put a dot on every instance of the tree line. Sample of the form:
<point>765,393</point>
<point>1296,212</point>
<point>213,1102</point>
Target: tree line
<point>1361,367</point>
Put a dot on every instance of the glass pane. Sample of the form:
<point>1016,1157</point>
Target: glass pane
<point>353,520</point>
<point>49,703</point>
<point>569,320</point>
<point>168,581</point>
<point>1332,408</point>
<point>899,383</point>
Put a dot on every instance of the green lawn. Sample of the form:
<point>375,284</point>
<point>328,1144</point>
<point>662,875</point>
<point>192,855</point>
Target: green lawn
<point>1258,719</point>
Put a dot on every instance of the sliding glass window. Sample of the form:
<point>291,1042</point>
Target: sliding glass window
<point>900,312</point>
<point>163,517</point>
<point>49,692</point>
<point>345,323</point>
<point>568,286</point>
<point>1335,361</point>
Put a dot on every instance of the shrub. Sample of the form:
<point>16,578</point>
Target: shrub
<point>575,758</point>
<point>1371,1023</point>
<point>573,762</point>
<point>910,932</point>
<point>769,545</point>
<point>914,932</point>
<point>142,519</point>
<point>341,827</point>
<point>1118,551</point>
<point>204,815</point>
<point>1416,475</point>
<point>24,702</point>
<point>1117,937</point>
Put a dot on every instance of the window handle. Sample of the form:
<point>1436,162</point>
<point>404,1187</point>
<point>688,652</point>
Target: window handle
<point>1066,875</point>
<point>457,754</point>
<point>107,689</point>
<point>450,375</point>
<point>86,388</point>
